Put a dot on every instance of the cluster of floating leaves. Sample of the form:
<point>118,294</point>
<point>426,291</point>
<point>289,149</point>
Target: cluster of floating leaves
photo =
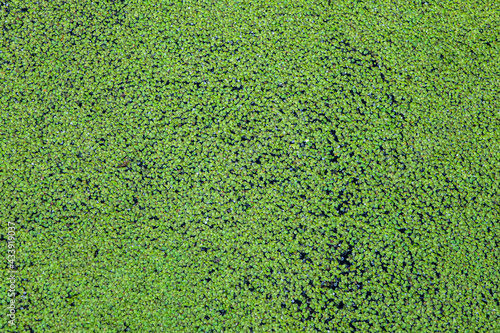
<point>265,166</point>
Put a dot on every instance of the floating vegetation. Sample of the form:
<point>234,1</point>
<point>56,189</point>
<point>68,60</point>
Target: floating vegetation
<point>250,166</point>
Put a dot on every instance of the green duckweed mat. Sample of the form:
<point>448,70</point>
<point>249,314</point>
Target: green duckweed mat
<point>250,166</point>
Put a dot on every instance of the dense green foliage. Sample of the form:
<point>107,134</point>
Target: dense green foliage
<point>292,166</point>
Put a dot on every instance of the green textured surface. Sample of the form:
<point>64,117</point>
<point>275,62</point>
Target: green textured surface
<point>294,166</point>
